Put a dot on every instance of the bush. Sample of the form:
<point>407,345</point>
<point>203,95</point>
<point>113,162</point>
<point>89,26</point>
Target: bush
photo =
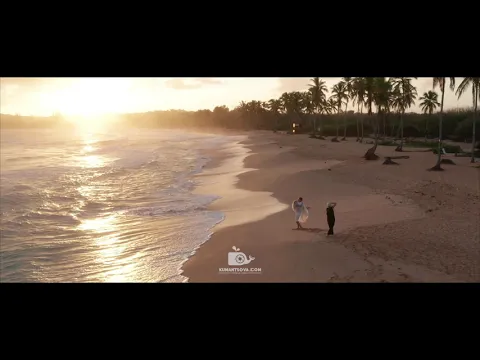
<point>457,125</point>
<point>387,143</point>
<point>452,149</point>
<point>422,144</point>
<point>412,131</point>
<point>455,138</point>
<point>464,129</point>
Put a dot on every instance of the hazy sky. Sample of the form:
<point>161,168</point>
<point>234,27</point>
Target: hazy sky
<point>43,96</point>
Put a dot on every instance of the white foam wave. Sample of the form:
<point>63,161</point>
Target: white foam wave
<point>176,208</point>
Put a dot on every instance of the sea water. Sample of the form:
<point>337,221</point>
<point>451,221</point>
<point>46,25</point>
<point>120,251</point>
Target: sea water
<point>80,206</point>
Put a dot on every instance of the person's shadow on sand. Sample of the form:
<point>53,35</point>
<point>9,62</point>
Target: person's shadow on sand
<point>312,230</point>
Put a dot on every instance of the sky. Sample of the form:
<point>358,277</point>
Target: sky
<point>94,96</point>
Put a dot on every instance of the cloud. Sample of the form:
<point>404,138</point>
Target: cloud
<point>209,81</point>
<point>11,88</point>
<point>292,84</point>
<point>22,81</point>
<point>17,91</point>
<point>32,83</point>
<point>188,84</point>
<point>425,83</point>
<point>301,84</point>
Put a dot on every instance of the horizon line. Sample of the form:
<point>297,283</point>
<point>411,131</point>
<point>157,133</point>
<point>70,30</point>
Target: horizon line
<point>464,108</point>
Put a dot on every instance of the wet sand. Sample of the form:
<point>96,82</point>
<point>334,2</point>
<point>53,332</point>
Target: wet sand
<point>394,223</point>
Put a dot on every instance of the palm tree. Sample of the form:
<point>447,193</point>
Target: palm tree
<point>255,111</point>
<point>440,81</point>
<point>428,105</point>
<point>275,105</point>
<point>339,93</point>
<point>348,95</point>
<point>243,111</point>
<point>330,105</point>
<point>388,106</point>
<point>405,95</point>
<point>318,88</point>
<point>381,97</point>
<point>369,93</point>
<point>292,104</point>
<point>358,97</point>
<point>298,104</point>
<point>369,84</point>
<point>307,104</point>
<point>464,85</point>
<point>286,103</point>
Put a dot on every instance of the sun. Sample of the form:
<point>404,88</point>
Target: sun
<point>92,97</point>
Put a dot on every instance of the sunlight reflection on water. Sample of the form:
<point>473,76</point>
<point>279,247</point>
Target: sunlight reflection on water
<point>93,161</point>
<point>88,138</point>
<point>99,225</point>
<point>100,206</point>
<point>111,254</point>
<point>88,148</point>
<point>111,250</point>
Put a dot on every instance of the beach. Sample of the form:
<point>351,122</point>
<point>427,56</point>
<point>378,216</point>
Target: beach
<point>394,223</point>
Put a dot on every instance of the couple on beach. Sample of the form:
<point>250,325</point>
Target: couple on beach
<point>301,214</point>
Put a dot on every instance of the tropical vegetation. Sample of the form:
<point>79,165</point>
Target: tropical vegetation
<point>360,107</point>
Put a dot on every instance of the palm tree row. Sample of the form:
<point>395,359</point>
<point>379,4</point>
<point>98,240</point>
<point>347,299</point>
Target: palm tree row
<point>474,83</point>
<point>385,96</point>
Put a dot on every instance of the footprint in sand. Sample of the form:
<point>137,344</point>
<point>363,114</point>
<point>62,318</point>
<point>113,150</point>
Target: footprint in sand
<point>311,230</point>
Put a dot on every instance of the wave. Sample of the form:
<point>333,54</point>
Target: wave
<point>26,158</point>
<point>175,208</point>
<point>191,253</point>
<point>145,184</point>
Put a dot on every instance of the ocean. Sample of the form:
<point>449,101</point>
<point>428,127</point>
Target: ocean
<point>80,206</point>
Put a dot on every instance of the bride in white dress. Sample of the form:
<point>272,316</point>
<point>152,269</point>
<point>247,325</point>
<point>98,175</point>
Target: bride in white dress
<point>301,212</point>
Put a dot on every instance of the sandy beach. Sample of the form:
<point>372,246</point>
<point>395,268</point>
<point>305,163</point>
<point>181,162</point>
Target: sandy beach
<point>394,223</point>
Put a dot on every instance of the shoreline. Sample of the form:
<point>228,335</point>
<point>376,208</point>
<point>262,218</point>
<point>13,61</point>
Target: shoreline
<point>219,177</point>
<point>380,208</point>
<point>214,158</point>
